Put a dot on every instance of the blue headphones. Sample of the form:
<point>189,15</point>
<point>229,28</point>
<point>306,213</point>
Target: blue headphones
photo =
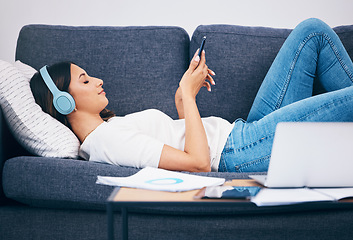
<point>63,102</point>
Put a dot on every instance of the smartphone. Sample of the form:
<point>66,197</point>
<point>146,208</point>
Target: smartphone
<point>227,192</point>
<point>202,46</point>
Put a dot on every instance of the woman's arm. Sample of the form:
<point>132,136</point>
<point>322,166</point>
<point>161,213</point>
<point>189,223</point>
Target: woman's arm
<point>196,156</point>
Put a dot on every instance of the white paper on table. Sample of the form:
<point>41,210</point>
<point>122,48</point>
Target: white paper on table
<point>274,196</point>
<point>285,196</point>
<point>161,180</point>
<point>336,193</point>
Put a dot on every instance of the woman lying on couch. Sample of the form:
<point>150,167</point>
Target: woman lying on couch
<point>151,138</point>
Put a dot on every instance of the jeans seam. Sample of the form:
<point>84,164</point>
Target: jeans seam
<point>222,165</point>
<point>243,166</point>
<point>337,54</point>
<point>254,143</point>
<point>294,61</point>
<point>323,106</point>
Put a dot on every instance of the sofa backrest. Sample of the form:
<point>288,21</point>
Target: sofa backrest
<point>140,66</point>
<point>241,57</point>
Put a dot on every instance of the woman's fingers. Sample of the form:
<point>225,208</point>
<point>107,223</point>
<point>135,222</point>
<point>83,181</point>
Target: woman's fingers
<point>210,78</point>
<point>200,65</point>
<point>203,57</point>
<point>195,61</point>
<point>211,72</point>
<point>207,85</point>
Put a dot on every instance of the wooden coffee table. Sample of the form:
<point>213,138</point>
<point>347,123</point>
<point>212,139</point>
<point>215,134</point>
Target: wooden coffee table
<point>123,198</point>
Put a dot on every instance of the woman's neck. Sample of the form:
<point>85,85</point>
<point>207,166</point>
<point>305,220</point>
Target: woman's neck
<point>83,124</point>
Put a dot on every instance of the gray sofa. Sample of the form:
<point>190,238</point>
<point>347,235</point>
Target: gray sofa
<point>53,198</point>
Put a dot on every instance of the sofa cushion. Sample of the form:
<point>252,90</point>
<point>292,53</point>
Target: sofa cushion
<point>63,183</point>
<point>241,57</point>
<point>140,66</point>
<point>71,184</point>
<point>37,131</point>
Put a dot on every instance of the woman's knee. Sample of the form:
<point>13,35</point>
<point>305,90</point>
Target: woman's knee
<point>314,25</point>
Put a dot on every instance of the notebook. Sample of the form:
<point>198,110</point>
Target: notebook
<point>310,154</point>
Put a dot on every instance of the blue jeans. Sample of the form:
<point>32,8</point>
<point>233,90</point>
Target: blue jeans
<point>311,52</point>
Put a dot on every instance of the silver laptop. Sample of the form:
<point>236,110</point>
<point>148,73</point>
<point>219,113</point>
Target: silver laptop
<point>310,154</point>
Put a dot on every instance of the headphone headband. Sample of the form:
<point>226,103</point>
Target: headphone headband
<point>63,102</point>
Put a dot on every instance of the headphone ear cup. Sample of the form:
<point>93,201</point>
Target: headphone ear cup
<point>64,103</point>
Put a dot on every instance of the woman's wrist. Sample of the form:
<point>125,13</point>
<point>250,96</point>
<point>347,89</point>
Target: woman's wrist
<point>188,98</point>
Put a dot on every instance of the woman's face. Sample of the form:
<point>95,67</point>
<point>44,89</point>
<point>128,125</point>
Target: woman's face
<point>87,91</point>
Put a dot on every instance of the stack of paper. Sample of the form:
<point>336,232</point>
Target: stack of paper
<point>161,180</point>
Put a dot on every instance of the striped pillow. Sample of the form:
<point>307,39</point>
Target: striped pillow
<point>37,131</point>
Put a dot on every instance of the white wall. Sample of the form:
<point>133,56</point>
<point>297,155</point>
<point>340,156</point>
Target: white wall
<point>185,13</point>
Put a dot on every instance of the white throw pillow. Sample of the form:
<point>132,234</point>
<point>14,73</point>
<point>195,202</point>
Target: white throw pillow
<point>36,130</point>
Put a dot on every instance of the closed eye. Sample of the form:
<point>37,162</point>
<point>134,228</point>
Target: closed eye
<point>83,75</point>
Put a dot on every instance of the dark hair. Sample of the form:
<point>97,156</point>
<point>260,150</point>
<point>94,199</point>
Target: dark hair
<point>61,75</point>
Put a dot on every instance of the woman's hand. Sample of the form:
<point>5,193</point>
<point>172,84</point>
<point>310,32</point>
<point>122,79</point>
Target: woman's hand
<point>198,75</point>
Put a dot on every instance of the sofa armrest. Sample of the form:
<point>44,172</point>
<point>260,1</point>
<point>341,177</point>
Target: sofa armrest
<point>9,148</point>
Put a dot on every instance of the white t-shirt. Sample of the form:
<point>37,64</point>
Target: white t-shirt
<point>137,139</point>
